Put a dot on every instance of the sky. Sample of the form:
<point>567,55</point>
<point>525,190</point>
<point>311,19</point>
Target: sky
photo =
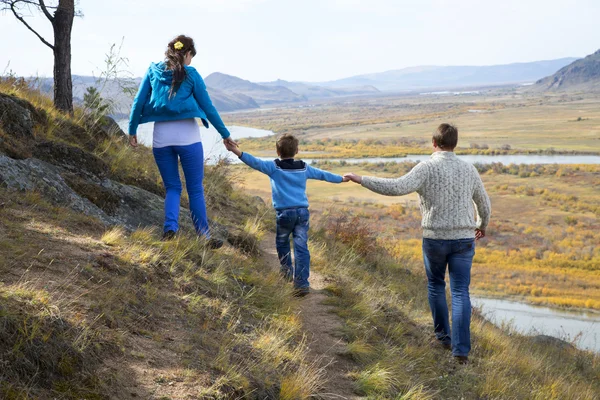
<point>311,40</point>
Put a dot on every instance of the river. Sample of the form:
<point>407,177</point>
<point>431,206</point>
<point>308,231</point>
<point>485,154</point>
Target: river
<point>584,327</point>
<point>581,328</point>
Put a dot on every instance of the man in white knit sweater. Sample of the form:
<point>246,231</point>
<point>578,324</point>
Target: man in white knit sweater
<point>448,189</point>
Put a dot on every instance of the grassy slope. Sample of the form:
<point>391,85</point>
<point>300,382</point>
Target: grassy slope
<point>87,312</point>
<point>544,226</point>
<point>90,313</point>
<point>382,298</point>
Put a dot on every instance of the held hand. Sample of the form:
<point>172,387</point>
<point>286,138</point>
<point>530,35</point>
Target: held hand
<point>133,141</point>
<point>353,177</point>
<point>229,142</point>
<point>479,234</point>
<point>345,179</point>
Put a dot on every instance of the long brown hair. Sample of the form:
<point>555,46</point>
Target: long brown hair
<point>174,59</point>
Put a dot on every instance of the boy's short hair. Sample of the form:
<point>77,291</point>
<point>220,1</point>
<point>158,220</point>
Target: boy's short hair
<point>446,136</point>
<point>287,146</point>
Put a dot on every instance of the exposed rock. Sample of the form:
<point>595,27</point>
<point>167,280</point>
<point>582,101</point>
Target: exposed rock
<point>18,117</point>
<point>71,158</point>
<point>552,342</point>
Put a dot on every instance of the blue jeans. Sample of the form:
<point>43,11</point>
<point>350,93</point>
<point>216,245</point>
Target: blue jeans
<point>458,256</point>
<point>192,161</point>
<point>294,221</point>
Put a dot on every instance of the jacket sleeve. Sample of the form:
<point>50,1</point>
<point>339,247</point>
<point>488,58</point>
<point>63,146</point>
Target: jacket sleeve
<point>411,182</point>
<point>138,103</point>
<point>482,201</point>
<point>266,167</point>
<point>316,173</point>
<point>203,99</point>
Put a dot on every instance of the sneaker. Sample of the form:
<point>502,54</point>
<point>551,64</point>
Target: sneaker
<point>461,359</point>
<point>214,243</point>
<point>301,292</point>
<point>168,235</point>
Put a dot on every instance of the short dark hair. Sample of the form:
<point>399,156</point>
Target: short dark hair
<point>287,146</point>
<point>446,136</point>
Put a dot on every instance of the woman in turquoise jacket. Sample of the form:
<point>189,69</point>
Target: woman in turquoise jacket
<point>172,95</point>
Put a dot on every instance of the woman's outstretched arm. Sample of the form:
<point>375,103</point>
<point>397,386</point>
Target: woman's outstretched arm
<point>203,99</point>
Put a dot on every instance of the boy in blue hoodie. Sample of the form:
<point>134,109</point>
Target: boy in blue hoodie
<point>288,189</point>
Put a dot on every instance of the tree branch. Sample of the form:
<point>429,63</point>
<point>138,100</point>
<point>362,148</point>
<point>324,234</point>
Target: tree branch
<point>20,18</point>
<point>45,11</point>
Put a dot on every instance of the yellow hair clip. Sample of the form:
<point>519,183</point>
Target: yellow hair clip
<point>178,45</point>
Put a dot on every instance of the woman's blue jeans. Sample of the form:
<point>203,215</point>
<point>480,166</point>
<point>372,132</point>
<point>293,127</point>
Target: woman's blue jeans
<point>295,222</point>
<point>458,256</point>
<point>192,162</point>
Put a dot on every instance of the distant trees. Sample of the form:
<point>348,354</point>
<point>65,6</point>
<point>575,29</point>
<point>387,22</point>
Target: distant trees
<point>61,15</point>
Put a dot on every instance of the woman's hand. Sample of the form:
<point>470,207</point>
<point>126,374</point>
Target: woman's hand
<point>133,141</point>
<point>353,177</point>
<point>229,142</point>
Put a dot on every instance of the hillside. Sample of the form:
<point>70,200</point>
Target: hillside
<point>583,74</point>
<point>416,78</point>
<point>262,94</point>
<point>93,305</point>
<point>313,92</point>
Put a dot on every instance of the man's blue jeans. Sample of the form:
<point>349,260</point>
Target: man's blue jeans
<point>458,256</point>
<point>192,162</point>
<point>294,221</point>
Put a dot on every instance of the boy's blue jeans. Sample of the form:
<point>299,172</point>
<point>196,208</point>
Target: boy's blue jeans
<point>458,256</point>
<point>192,162</point>
<point>294,221</point>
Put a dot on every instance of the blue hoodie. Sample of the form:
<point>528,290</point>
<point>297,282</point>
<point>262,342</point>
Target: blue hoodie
<point>152,102</point>
<point>288,179</point>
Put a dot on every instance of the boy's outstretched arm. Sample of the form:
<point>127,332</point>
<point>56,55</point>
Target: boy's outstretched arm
<point>266,167</point>
<point>316,173</point>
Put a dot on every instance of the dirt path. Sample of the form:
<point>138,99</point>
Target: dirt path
<point>322,328</point>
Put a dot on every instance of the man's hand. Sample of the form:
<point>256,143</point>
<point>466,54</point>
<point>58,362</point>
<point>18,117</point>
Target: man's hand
<point>353,177</point>
<point>479,234</point>
<point>133,141</point>
<point>345,179</point>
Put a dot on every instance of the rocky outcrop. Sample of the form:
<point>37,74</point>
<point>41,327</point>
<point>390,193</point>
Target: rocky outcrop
<point>72,176</point>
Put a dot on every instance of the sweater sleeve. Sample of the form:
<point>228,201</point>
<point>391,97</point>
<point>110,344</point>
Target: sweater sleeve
<point>204,101</point>
<point>138,103</point>
<point>411,182</point>
<point>316,173</point>
<point>266,167</point>
<point>482,201</point>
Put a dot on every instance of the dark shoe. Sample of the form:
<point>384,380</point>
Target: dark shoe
<point>301,292</point>
<point>168,235</point>
<point>461,359</point>
<point>215,243</point>
<point>446,346</point>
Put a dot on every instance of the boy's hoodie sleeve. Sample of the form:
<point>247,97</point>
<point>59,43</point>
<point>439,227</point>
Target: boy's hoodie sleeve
<point>266,167</point>
<point>203,99</point>
<point>138,103</point>
<point>316,173</point>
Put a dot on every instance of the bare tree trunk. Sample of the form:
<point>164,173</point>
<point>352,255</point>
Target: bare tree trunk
<point>63,83</point>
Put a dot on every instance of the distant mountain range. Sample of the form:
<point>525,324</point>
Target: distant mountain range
<point>230,93</point>
<point>583,74</point>
<point>427,77</point>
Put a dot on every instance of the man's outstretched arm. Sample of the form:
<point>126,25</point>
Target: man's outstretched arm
<point>411,182</point>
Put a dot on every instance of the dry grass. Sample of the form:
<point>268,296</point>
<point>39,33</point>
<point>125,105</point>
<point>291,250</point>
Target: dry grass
<point>387,318</point>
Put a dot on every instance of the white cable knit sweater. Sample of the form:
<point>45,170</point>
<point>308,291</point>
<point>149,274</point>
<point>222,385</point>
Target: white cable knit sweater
<point>447,188</point>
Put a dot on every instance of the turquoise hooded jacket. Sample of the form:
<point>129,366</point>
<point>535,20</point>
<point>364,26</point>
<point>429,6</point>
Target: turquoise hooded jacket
<point>152,102</point>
